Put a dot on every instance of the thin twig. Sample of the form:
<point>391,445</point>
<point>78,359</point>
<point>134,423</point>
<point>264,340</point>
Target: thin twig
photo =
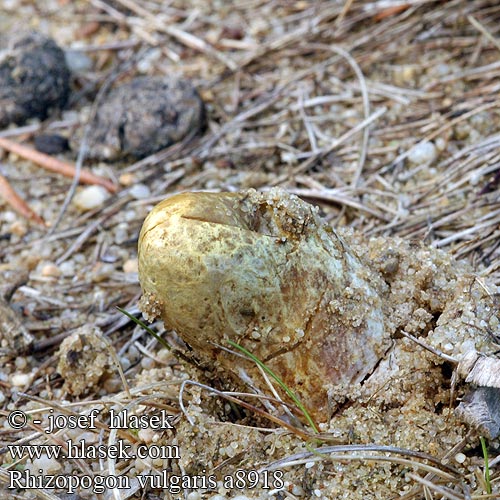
<point>484,31</point>
<point>55,165</point>
<point>10,196</point>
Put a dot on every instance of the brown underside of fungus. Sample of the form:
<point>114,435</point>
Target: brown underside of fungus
<point>322,308</point>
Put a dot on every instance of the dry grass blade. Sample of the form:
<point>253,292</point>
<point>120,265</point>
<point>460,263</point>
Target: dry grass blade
<point>295,430</point>
<point>443,491</point>
<point>391,11</point>
<point>366,108</point>
<point>345,457</point>
<point>184,37</point>
<point>54,165</point>
<point>484,31</point>
<point>445,470</point>
<point>337,196</point>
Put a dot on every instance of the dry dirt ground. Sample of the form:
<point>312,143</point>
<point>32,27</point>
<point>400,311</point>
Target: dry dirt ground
<point>385,114</point>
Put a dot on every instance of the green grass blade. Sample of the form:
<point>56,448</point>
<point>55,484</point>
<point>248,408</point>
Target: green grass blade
<point>486,465</point>
<point>280,382</point>
<point>163,342</point>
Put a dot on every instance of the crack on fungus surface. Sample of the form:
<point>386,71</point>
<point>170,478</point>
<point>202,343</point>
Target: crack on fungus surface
<point>208,221</point>
<point>382,358</point>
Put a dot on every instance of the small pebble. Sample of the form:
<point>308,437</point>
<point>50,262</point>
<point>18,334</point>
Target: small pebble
<point>50,271</point>
<point>147,363</point>
<point>48,465</point>
<point>440,144</point>
<point>67,268</point>
<point>9,216</point>
<point>126,179</point>
<point>90,197</point>
<point>297,490</point>
<point>121,233</point>
<point>77,61</point>
<point>20,363</point>
<point>51,144</point>
<point>460,458</point>
<point>20,379</point>
<point>125,363</point>
<point>131,266</point>
<point>140,191</point>
<point>18,228</point>
<point>404,75</point>
<point>423,153</point>
<point>146,435</point>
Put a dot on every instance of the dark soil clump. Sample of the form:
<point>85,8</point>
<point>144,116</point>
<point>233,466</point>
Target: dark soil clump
<point>145,115</point>
<point>34,79</point>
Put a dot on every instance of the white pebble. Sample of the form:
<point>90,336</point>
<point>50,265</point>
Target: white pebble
<point>241,497</point>
<point>77,61</point>
<point>121,233</point>
<point>423,153</point>
<point>194,495</point>
<point>475,177</point>
<point>218,497</point>
<point>20,363</point>
<point>21,379</point>
<point>67,268</point>
<point>10,4</point>
<point>448,347</point>
<point>467,346</point>
<point>440,144</point>
<point>460,458</point>
<point>140,191</point>
<point>298,491</point>
<point>90,197</point>
<point>48,465</point>
<point>146,435</point>
<point>9,216</point>
<point>147,363</point>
